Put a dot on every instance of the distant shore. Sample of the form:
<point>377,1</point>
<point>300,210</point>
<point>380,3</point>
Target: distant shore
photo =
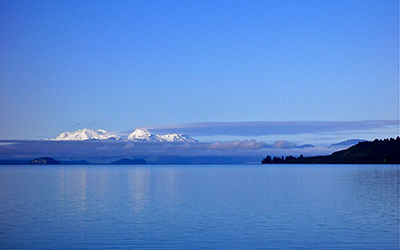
<point>385,151</point>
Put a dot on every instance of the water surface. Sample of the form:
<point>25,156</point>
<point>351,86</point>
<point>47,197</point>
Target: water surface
<point>200,207</point>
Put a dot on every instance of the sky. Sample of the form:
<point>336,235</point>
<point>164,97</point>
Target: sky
<point>120,65</point>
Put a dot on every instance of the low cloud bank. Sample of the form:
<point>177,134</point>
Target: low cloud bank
<point>237,145</point>
<point>272,128</point>
<point>105,151</point>
<point>288,145</point>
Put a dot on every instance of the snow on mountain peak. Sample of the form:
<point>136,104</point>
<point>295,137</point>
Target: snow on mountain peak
<point>86,134</point>
<point>144,135</point>
<point>139,134</point>
<point>177,138</point>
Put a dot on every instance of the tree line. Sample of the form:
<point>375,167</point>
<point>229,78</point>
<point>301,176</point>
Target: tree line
<point>386,151</point>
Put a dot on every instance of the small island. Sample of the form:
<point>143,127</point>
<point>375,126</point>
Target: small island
<point>44,161</point>
<point>385,151</point>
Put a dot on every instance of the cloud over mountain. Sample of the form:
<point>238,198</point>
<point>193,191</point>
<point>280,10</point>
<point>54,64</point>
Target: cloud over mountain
<point>272,128</point>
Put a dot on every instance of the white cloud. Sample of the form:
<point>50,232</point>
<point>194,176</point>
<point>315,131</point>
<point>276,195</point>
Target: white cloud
<point>237,145</point>
<point>284,144</point>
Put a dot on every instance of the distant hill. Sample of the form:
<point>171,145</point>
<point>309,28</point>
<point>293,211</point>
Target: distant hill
<point>385,151</point>
<point>127,161</point>
<point>348,142</point>
<point>44,160</point>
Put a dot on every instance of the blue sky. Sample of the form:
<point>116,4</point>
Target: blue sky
<point>118,65</point>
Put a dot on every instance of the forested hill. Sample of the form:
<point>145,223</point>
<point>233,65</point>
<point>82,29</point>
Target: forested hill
<point>385,151</point>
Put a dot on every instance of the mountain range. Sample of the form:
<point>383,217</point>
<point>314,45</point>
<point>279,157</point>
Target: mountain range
<point>137,135</point>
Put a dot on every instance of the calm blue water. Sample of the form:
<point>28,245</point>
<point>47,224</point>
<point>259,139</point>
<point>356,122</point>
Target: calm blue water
<point>199,207</point>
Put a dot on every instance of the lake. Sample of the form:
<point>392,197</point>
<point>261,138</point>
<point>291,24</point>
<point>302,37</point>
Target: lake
<point>200,207</point>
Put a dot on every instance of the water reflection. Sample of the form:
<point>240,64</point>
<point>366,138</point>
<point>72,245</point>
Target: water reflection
<point>181,207</point>
<point>73,187</point>
<point>150,186</point>
<point>139,181</point>
<point>83,187</point>
<point>375,192</point>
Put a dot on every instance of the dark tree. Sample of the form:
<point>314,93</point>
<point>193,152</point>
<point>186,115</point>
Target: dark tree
<point>267,160</point>
<point>383,151</point>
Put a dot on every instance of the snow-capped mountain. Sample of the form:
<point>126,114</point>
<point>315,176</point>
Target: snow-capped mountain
<point>86,134</point>
<point>177,138</point>
<point>144,135</point>
<point>137,135</point>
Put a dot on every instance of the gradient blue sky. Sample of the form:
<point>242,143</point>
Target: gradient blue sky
<point>118,65</point>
